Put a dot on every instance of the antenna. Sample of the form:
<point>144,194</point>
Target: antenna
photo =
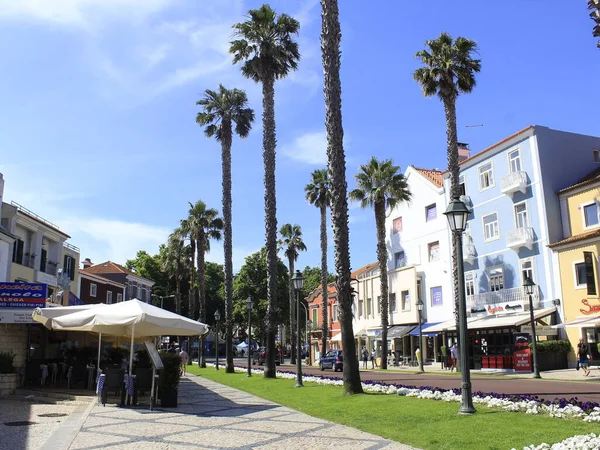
<point>472,126</point>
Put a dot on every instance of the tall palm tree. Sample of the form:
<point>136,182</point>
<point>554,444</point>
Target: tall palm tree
<point>318,194</point>
<point>594,7</point>
<point>291,243</point>
<point>380,186</point>
<point>331,36</point>
<point>175,262</point>
<point>449,70</point>
<point>185,228</point>
<point>206,225</point>
<point>265,44</point>
<point>220,111</point>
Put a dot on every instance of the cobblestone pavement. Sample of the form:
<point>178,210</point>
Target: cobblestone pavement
<point>213,416</point>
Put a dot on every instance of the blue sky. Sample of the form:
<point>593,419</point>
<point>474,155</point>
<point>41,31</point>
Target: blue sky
<point>98,131</point>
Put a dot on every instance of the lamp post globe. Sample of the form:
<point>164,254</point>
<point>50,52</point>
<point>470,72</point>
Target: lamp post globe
<point>457,215</point>
<point>298,281</point>
<point>217,319</point>
<point>420,306</point>
<point>249,304</point>
<point>529,286</point>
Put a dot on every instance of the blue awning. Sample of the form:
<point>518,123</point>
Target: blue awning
<point>415,332</point>
<point>74,300</point>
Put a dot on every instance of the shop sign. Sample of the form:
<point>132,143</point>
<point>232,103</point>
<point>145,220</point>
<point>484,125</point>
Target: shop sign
<point>23,295</point>
<point>509,307</point>
<point>522,360</point>
<point>436,296</point>
<point>588,257</point>
<point>16,316</point>
<point>591,309</point>
<point>540,330</point>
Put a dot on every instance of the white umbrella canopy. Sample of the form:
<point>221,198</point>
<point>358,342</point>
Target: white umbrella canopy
<point>45,316</point>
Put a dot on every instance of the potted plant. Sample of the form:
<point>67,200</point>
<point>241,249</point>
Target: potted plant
<point>9,380</point>
<point>115,355</point>
<point>168,382</point>
<point>143,358</point>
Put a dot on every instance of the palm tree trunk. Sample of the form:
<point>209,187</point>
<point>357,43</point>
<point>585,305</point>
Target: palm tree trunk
<point>325,299</point>
<point>292,310</point>
<point>226,137</point>
<point>269,142</point>
<point>330,50</point>
<point>200,261</point>
<point>382,257</point>
<point>192,293</point>
<point>178,286</point>
<point>453,169</point>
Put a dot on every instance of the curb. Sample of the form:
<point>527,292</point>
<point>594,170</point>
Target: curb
<point>63,436</point>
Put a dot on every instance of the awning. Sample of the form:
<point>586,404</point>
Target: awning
<point>399,331</point>
<point>450,325</point>
<point>361,333</point>
<point>425,330</point>
<point>336,337</point>
<point>580,322</point>
<point>508,320</point>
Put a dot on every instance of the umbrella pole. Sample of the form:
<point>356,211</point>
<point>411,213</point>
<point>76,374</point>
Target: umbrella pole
<point>131,356</point>
<point>99,349</point>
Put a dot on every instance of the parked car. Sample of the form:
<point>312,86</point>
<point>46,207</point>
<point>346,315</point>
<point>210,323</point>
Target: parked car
<point>332,360</point>
<point>259,356</point>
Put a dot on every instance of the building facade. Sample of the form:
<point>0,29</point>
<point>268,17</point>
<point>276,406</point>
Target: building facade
<point>315,314</point>
<point>99,289</point>
<point>135,286</point>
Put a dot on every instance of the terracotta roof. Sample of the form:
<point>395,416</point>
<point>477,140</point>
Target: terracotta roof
<point>317,292</point>
<point>363,269</point>
<point>434,176</point>
<point>579,237</point>
<point>109,267</point>
<point>590,178</point>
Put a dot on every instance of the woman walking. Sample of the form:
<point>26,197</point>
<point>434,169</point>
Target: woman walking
<point>583,358</point>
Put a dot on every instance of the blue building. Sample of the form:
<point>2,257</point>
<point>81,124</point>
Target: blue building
<point>511,188</point>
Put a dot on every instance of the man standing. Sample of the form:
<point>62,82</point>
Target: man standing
<point>184,360</point>
<point>454,355</point>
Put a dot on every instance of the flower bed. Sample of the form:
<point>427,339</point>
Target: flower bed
<point>584,441</point>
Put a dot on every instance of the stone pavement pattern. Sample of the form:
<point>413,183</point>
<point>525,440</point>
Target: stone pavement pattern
<point>213,416</point>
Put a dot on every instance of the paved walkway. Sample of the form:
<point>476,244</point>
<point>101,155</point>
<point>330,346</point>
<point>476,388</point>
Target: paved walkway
<point>213,416</point>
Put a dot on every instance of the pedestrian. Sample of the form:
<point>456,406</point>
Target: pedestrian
<point>374,360</point>
<point>418,356</point>
<point>172,348</point>
<point>184,360</point>
<point>583,358</point>
<point>454,356</point>
<point>365,357</point>
<point>578,348</point>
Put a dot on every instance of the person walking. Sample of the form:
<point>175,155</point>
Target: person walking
<point>454,356</point>
<point>374,360</point>
<point>578,348</point>
<point>583,358</point>
<point>184,360</point>
<point>365,357</point>
<point>418,356</point>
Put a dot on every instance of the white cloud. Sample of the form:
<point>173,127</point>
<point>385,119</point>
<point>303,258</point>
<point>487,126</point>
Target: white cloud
<point>310,148</point>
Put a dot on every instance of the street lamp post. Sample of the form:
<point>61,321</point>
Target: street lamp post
<point>298,280</point>
<point>249,303</point>
<point>457,215</point>
<point>420,305</point>
<point>217,318</point>
<point>529,287</point>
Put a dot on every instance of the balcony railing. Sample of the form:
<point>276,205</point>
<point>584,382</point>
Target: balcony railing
<point>521,237</point>
<point>516,181</point>
<point>503,301</point>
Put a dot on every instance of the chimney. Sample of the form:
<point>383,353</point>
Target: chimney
<point>463,151</point>
<point>87,263</point>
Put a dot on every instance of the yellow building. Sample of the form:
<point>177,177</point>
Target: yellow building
<point>578,262</point>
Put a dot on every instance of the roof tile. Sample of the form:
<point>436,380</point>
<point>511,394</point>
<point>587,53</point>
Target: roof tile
<point>579,237</point>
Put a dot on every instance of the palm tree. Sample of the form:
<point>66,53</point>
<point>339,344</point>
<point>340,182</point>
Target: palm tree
<point>268,51</point>
<point>188,233</point>
<point>380,186</point>
<point>175,262</point>
<point>330,50</point>
<point>449,71</point>
<point>220,111</point>
<point>594,7</point>
<point>291,243</point>
<point>318,194</point>
<point>206,225</point>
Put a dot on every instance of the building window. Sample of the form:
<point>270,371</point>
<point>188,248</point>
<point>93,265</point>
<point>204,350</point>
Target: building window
<point>379,304</point>
<point>436,296</point>
<point>93,290</point>
<point>597,156</point>
<point>590,215</point>
<point>334,315</point>
<point>462,188</point>
<point>526,269</point>
<point>405,297</point>
<point>138,292</point>
<point>580,277</point>
<point>514,161</point>
<point>419,284</point>
<point>315,317</point>
<point>496,276</point>
<point>491,230</point>
<point>18,251</point>
<point>392,303</point>
<point>370,311</point>
<point>360,308</point>
<point>397,225</point>
<point>108,297</point>
<point>521,220</point>
<point>486,176</point>
<point>69,266</point>
<point>119,297</point>
<point>433,249</point>
<point>399,260</point>
<point>430,213</point>
<point>470,284</point>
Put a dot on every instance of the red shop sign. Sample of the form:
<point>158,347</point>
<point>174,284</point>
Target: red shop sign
<point>522,360</point>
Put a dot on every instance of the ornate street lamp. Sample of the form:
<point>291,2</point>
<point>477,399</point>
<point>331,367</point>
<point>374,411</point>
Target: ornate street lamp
<point>217,319</point>
<point>457,215</point>
<point>298,281</point>
<point>249,304</point>
<point>420,306</point>
<point>529,286</point>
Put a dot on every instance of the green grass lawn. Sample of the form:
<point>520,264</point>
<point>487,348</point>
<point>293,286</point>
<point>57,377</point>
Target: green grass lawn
<point>427,424</point>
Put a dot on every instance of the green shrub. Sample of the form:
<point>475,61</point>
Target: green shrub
<point>171,374</point>
<point>563,347</point>
<point>444,350</point>
<point>116,354</point>
<point>143,358</point>
<point>6,362</point>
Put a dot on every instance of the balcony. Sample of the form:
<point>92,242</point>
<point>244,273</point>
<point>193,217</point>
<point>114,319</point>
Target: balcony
<point>45,278</point>
<point>516,181</point>
<point>467,201</point>
<point>469,252</point>
<point>502,301</point>
<point>521,237</point>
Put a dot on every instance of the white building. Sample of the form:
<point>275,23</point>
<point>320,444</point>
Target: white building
<point>7,241</point>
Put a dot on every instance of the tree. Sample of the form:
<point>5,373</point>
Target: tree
<point>206,225</point>
<point>220,111</point>
<point>312,280</point>
<point>449,70</point>
<point>150,267</point>
<point>330,51</point>
<point>318,194</point>
<point>291,243</point>
<point>594,7</point>
<point>380,186</point>
<point>266,46</point>
<point>175,262</point>
<point>188,231</point>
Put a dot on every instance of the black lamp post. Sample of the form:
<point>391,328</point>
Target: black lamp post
<point>217,318</point>
<point>529,286</point>
<point>249,303</point>
<point>457,215</point>
<point>420,306</point>
<point>298,280</point>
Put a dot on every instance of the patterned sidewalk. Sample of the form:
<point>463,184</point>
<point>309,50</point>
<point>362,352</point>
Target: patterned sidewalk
<point>213,416</point>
